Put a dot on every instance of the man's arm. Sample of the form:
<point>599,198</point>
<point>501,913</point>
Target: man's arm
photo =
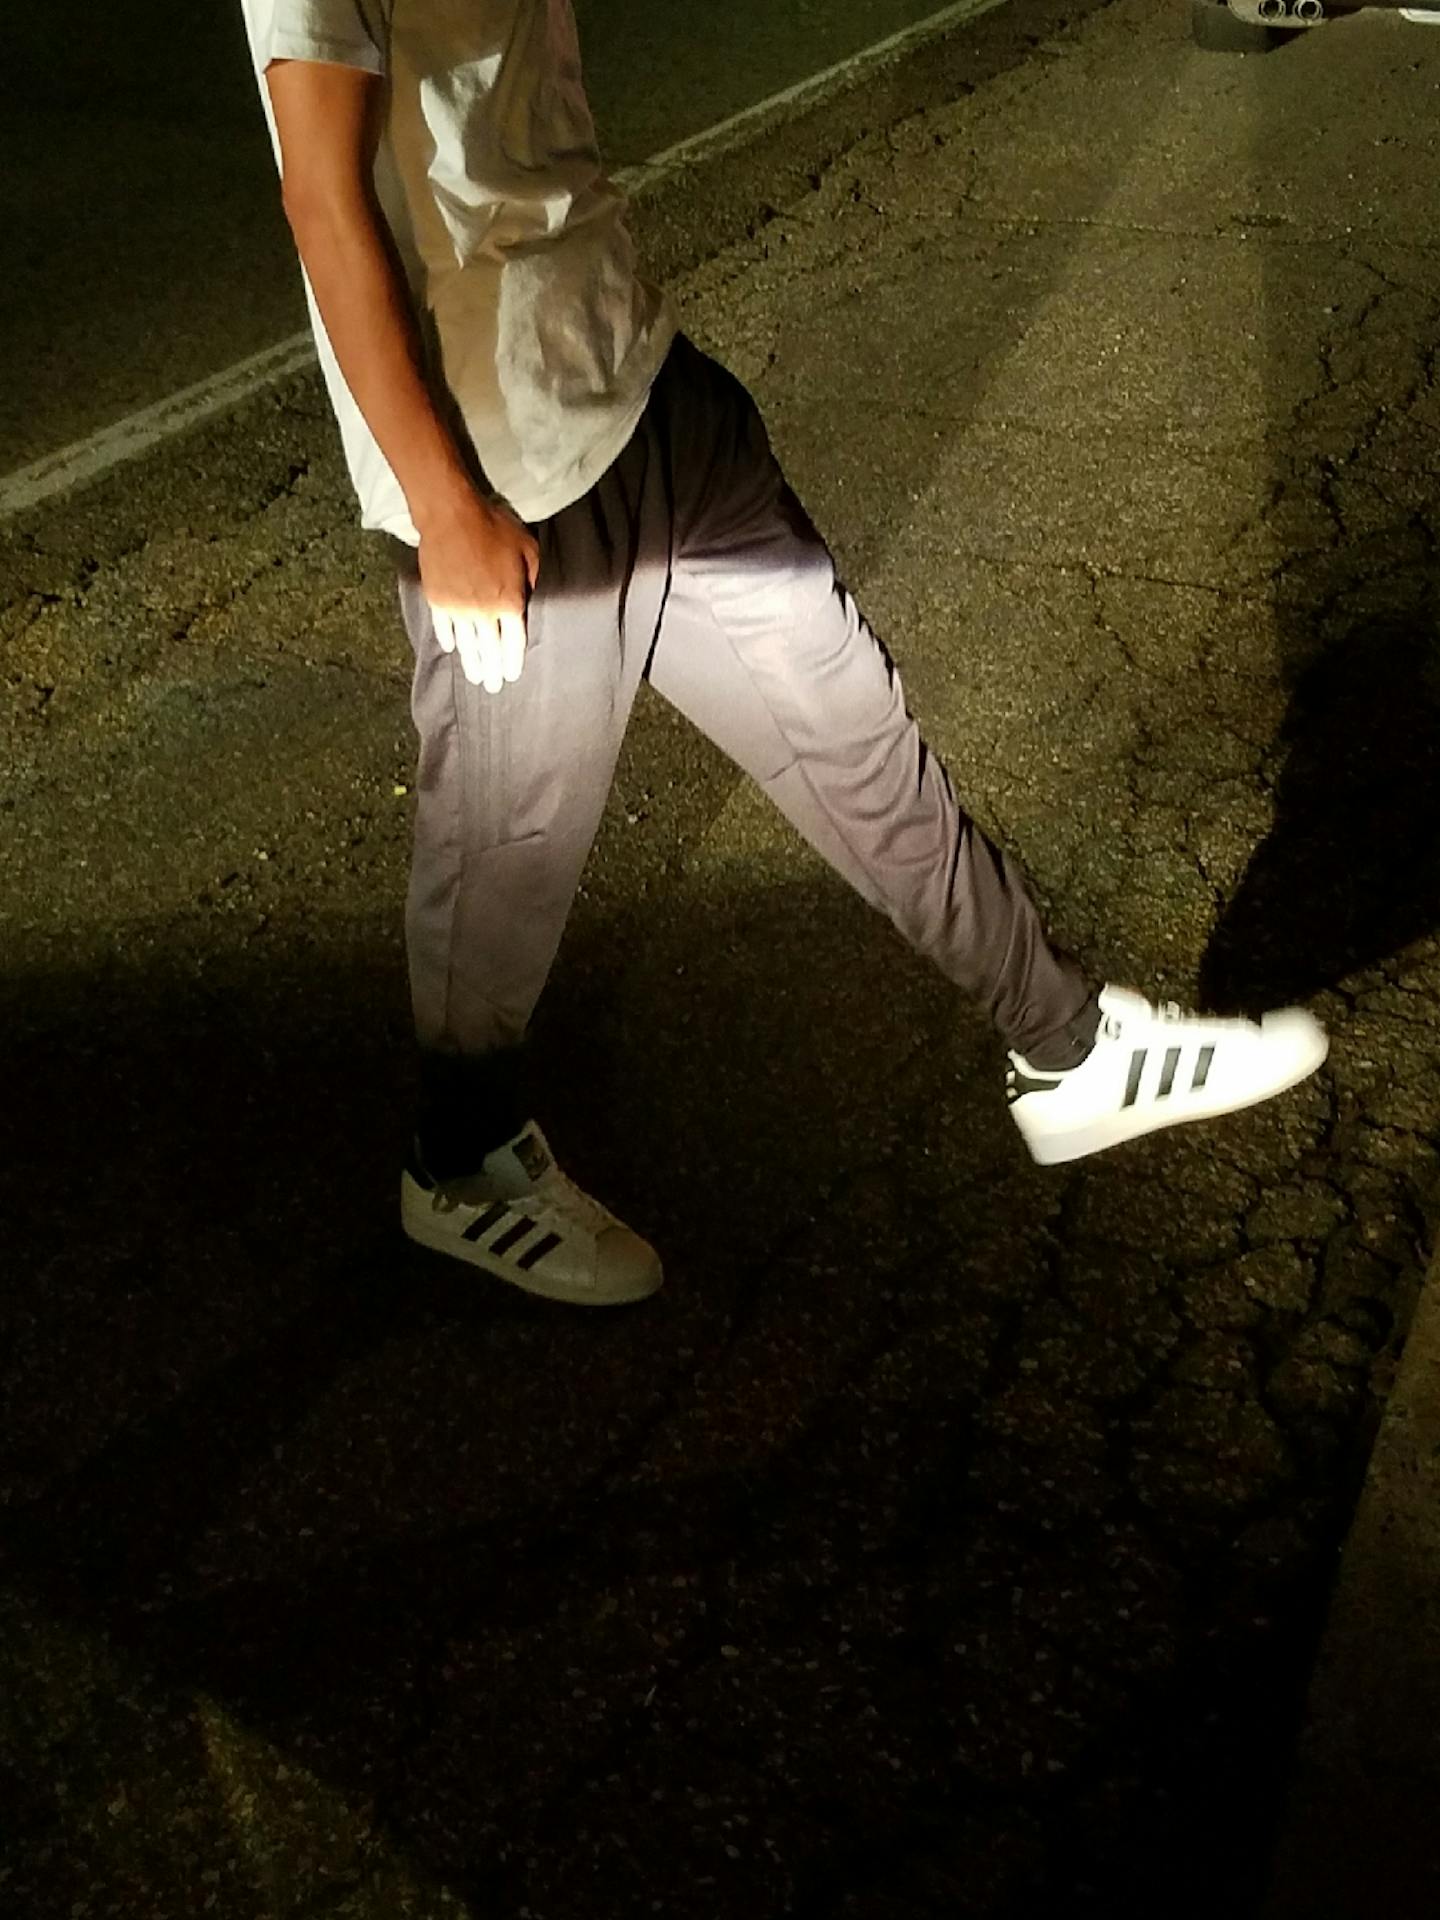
<point>477,563</point>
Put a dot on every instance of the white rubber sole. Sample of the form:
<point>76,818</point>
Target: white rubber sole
<point>418,1223</point>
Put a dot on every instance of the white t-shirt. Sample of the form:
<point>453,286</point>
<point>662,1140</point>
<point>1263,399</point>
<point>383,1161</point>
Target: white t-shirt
<point>514,242</point>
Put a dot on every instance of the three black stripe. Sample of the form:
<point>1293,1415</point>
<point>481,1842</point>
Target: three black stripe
<point>512,1236</point>
<point>483,1222</point>
<point>1169,1067</point>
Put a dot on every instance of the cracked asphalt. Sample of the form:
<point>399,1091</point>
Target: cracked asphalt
<point>951,1537</point>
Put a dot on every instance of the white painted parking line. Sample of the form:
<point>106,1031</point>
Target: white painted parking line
<point>735,131</point>
<point>87,460</point>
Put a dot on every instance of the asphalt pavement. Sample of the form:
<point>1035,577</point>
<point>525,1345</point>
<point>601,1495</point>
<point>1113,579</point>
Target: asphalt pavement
<point>950,1537</point>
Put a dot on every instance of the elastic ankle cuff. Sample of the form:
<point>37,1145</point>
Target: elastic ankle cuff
<point>1070,1044</point>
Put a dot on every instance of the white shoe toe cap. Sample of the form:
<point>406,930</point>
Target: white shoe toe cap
<point>626,1267</point>
<point>1300,1033</point>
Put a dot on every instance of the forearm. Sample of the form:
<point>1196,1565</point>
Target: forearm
<point>363,300</point>
<point>478,564</point>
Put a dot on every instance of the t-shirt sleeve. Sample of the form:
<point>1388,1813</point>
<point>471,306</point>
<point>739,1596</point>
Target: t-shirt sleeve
<point>335,32</point>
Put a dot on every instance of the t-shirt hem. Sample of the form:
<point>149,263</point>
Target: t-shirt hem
<point>598,459</point>
<point>533,508</point>
<point>283,45</point>
<point>398,526</point>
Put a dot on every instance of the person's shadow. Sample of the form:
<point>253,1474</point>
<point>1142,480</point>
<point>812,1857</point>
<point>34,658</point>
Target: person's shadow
<point>1349,873</point>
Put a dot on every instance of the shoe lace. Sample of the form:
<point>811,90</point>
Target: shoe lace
<point>556,1190</point>
<point>1177,1016</point>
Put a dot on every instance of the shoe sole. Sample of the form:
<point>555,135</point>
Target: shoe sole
<point>1133,1123</point>
<point>415,1224</point>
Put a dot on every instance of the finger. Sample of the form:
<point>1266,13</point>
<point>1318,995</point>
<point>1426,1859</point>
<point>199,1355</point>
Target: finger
<point>493,672</point>
<point>512,645</point>
<point>468,643</point>
<point>444,624</point>
<point>531,552</point>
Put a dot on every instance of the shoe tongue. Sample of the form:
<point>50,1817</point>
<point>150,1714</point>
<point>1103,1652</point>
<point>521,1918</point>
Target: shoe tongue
<point>530,1150</point>
<point>515,1167</point>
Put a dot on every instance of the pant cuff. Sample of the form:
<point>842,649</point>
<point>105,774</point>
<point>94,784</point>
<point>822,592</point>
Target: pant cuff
<point>1068,1045</point>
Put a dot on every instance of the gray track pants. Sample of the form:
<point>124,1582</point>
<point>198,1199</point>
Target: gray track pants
<point>693,564</point>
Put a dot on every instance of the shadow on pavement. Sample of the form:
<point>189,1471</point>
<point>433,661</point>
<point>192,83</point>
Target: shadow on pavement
<point>1349,874</point>
<point>902,1550</point>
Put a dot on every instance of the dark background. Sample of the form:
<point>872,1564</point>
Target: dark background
<point>143,247</point>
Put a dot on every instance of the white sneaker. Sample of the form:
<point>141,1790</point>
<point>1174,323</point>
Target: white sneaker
<point>521,1220</point>
<point>1154,1067</point>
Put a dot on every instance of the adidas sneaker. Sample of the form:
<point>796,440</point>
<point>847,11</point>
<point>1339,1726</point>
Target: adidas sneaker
<point>1153,1067</point>
<point>520,1219</point>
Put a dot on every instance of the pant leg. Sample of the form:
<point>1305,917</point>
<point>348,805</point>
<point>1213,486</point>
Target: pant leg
<point>768,654</point>
<point>509,793</point>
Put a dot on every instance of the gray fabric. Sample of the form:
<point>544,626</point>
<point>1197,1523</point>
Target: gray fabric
<point>692,562</point>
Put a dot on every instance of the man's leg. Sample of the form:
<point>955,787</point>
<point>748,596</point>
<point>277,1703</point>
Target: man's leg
<point>765,651</point>
<point>510,790</point>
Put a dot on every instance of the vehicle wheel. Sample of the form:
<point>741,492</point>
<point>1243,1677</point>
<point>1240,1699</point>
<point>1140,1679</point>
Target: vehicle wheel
<point>1214,27</point>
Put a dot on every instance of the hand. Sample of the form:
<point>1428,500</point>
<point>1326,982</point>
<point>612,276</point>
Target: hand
<point>478,567</point>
